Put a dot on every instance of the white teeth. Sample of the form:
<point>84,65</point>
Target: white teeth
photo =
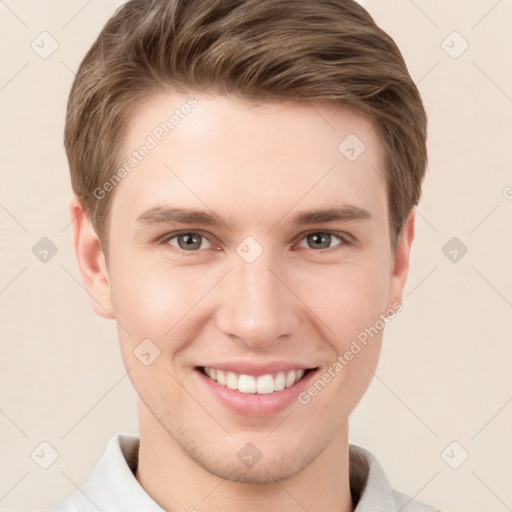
<point>262,385</point>
<point>231,380</point>
<point>221,377</point>
<point>265,385</point>
<point>246,384</point>
<point>290,378</point>
<point>279,382</point>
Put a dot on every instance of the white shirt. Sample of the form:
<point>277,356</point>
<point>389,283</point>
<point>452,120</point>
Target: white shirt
<point>113,487</point>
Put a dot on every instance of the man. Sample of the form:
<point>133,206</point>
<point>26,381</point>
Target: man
<point>244,173</point>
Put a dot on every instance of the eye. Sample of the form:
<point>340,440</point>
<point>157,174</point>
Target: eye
<point>192,241</point>
<point>189,241</point>
<point>323,239</point>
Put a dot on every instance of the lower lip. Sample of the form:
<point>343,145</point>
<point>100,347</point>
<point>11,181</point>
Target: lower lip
<point>253,404</point>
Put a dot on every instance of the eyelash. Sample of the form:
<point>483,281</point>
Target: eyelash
<point>346,240</point>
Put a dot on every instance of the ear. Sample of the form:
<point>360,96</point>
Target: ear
<point>91,261</point>
<point>400,261</point>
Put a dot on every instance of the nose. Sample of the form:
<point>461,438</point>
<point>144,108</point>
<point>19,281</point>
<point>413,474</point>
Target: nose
<point>257,305</point>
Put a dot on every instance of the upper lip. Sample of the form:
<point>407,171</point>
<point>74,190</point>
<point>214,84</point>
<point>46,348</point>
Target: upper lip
<point>256,369</point>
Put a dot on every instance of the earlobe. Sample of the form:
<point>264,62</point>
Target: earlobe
<point>400,260</point>
<point>91,261</point>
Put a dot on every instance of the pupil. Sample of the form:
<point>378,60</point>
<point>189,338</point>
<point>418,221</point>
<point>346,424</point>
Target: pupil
<point>190,242</point>
<point>324,239</point>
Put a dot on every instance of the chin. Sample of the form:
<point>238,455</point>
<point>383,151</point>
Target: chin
<point>263,472</point>
<point>270,466</point>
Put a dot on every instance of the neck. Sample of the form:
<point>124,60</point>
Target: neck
<point>176,482</point>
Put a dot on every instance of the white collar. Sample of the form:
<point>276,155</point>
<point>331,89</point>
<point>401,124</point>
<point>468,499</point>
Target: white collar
<point>113,487</point>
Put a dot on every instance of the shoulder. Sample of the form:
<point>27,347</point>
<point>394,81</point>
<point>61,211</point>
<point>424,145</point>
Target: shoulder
<point>405,503</point>
<point>76,502</point>
<point>371,489</point>
<point>112,486</point>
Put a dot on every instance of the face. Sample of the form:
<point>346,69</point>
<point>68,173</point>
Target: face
<point>248,242</point>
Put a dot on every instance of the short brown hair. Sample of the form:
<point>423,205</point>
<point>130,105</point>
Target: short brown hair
<point>262,50</point>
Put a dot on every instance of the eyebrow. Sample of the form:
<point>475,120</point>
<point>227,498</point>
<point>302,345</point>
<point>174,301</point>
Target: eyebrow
<point>343,213</point>
<point>169,215</point>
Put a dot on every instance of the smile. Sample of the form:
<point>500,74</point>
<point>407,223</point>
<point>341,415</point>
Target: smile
<point>262,385</point>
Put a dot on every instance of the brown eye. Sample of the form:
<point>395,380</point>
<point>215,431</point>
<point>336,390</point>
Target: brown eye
<point>321,240</point>
<point>187,241</point>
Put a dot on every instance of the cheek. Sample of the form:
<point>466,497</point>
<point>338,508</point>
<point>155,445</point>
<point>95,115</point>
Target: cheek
<point>347,298</point>
<point>150,300</point>
<point>349,301</point>
<point>343,299</point>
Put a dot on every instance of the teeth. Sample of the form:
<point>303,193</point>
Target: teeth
<point>231,380</point>
<point>264,384</point>
<point>246,384</point>
<point>261,385</point>
<point>290,379</point>
<point>221,377</point>
<point>279,382</point>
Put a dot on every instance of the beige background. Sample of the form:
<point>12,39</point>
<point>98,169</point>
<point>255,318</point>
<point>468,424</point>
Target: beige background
<point>444,374</point>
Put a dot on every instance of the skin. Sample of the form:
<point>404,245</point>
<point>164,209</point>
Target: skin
<point>255,167</point>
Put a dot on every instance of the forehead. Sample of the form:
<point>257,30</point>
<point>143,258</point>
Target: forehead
<point>246,156</point>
